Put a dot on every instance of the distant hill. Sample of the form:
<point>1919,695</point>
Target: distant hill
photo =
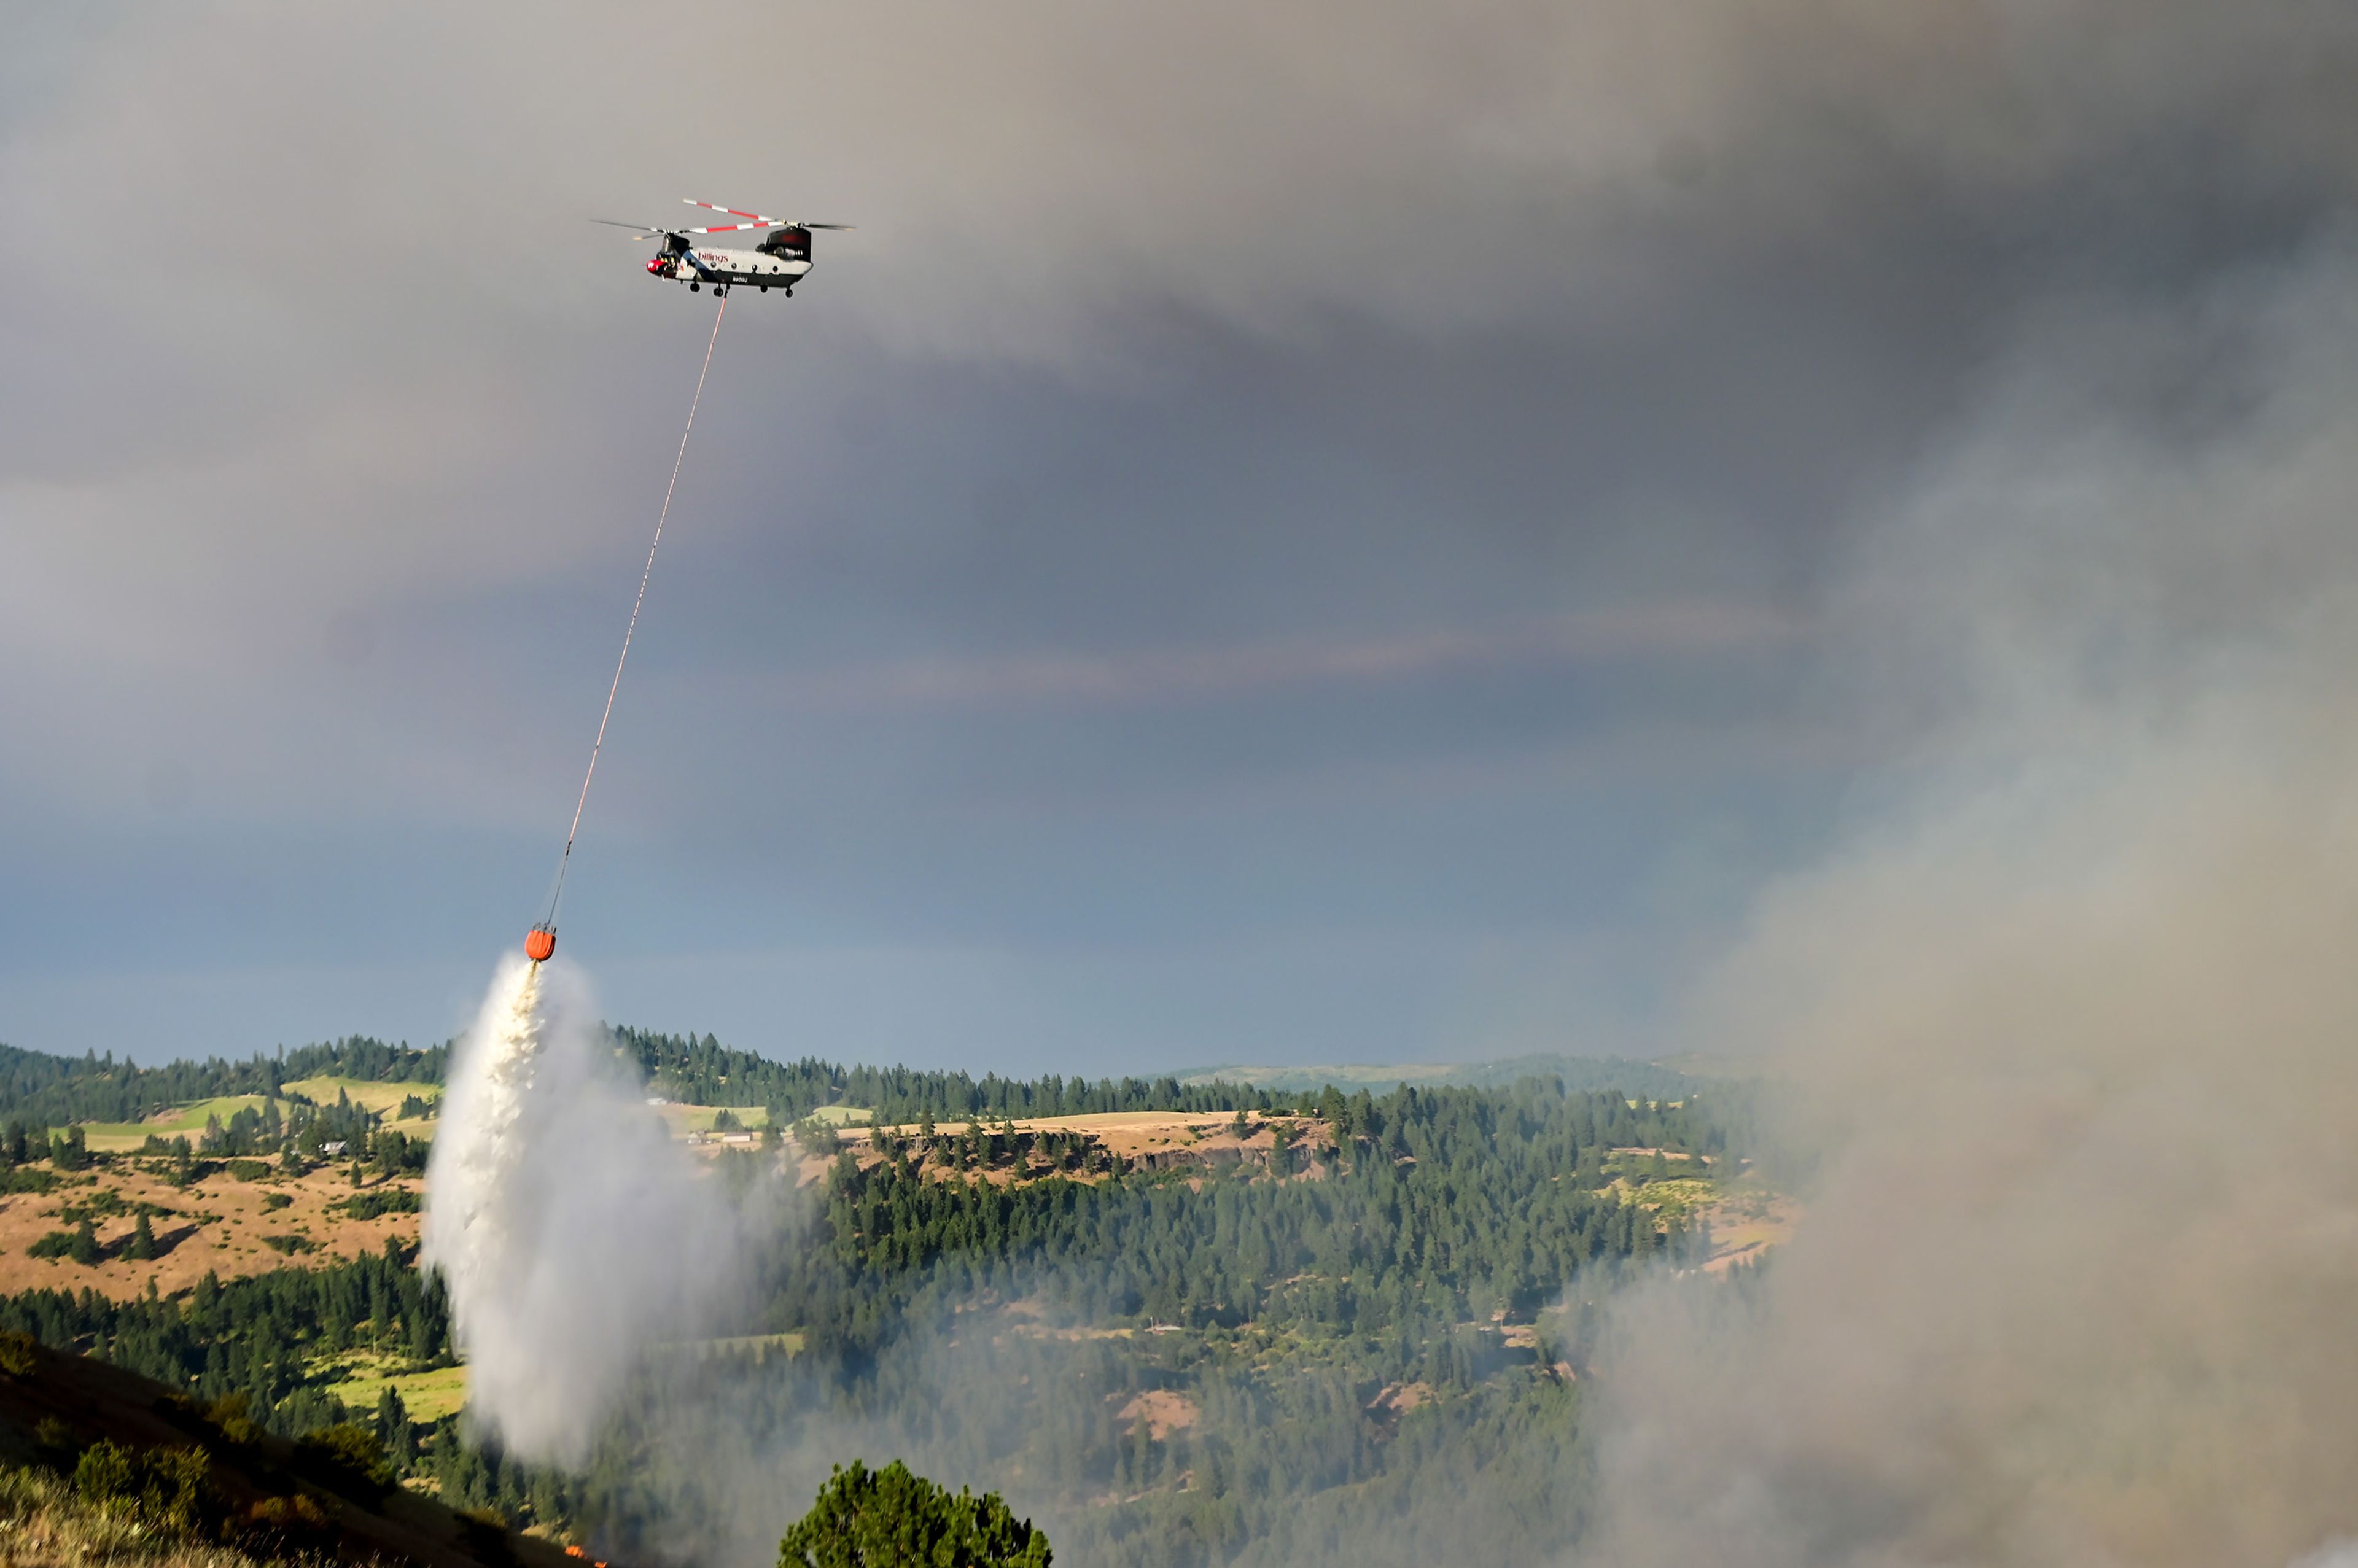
<point>1581,1074</point>
<point>46,1090</point>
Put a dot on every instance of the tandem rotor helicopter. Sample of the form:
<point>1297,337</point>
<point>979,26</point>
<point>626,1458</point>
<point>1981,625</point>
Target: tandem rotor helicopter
<point>778,262</point>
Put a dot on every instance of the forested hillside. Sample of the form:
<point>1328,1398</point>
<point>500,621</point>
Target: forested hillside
<point>46,1090</point>
<point>1649,1080</point>
<point>1311,1313</point>
<point>704,1072</point>
<point>43,1090</point>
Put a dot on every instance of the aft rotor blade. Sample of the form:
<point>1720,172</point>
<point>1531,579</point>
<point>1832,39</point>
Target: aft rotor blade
<point>759,220</point>
<point>733,212</point>
<point>646,231</point>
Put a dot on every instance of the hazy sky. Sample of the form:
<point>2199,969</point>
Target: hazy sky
<point>1288,533</point>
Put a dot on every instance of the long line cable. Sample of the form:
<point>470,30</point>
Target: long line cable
<point>566,860</point>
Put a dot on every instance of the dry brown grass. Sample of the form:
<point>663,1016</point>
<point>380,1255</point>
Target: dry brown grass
<point>1145,1136</point>
<point>1161,1411</point>
<point>218,1225</point>
<point>1746,1224</point>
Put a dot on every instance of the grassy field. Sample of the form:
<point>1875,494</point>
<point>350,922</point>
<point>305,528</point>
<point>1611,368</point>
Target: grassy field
<point>842,1115</point>
<point>186,1120</point>
<point>115,1137</point>
<point>360,1379</point>
<point>685,1118</point>
<point>1654,1080</point>
<point>758,1347</point>
<point>122,1137</point>
<point>1677,1198</point>
<point>364,1092</point>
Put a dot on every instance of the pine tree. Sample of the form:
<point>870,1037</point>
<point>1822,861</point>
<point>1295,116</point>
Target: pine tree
<point>142,1240</point>
<point>869,1516</point>
<point>86,1249</point>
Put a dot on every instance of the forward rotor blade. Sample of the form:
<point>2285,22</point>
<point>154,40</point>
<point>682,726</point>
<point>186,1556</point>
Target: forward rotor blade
<point>827,225</point>
<point>646,231</point>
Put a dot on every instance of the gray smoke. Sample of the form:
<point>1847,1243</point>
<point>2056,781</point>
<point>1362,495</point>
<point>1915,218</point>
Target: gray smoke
<point>2070,1014</point>
<point>2333,1554</point>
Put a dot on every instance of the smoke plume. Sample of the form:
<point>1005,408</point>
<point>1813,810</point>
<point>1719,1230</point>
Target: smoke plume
<point>574,1235</point>
<point>2069,1019</point>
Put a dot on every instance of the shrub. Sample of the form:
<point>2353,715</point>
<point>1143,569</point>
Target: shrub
<point>297,1526</point>
<point>232,1414</point>
<point>384,1200</point>
<point>17,1353</point>
<point>249,1170</point>
<point>103,1204</point>
<point>485,1534</point>
<point>167,1488</point>
<point>106,1475</point>
<point>55,1244</point>
<point>351,1451</point>
<point>69,1152</point>
<point>177,1488</point>
<point>54,1444</point>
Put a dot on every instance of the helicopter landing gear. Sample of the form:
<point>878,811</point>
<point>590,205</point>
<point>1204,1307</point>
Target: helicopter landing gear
<point>695,287</point>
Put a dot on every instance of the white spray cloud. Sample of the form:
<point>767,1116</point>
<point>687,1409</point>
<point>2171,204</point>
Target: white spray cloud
<point>573,1233</point>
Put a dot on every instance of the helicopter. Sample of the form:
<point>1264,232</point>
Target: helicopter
<point>779,261</point>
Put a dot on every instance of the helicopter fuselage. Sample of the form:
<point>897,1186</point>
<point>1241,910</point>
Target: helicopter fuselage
<point>727,269</point>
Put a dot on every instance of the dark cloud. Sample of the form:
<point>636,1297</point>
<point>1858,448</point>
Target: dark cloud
<point>1214,409</point>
